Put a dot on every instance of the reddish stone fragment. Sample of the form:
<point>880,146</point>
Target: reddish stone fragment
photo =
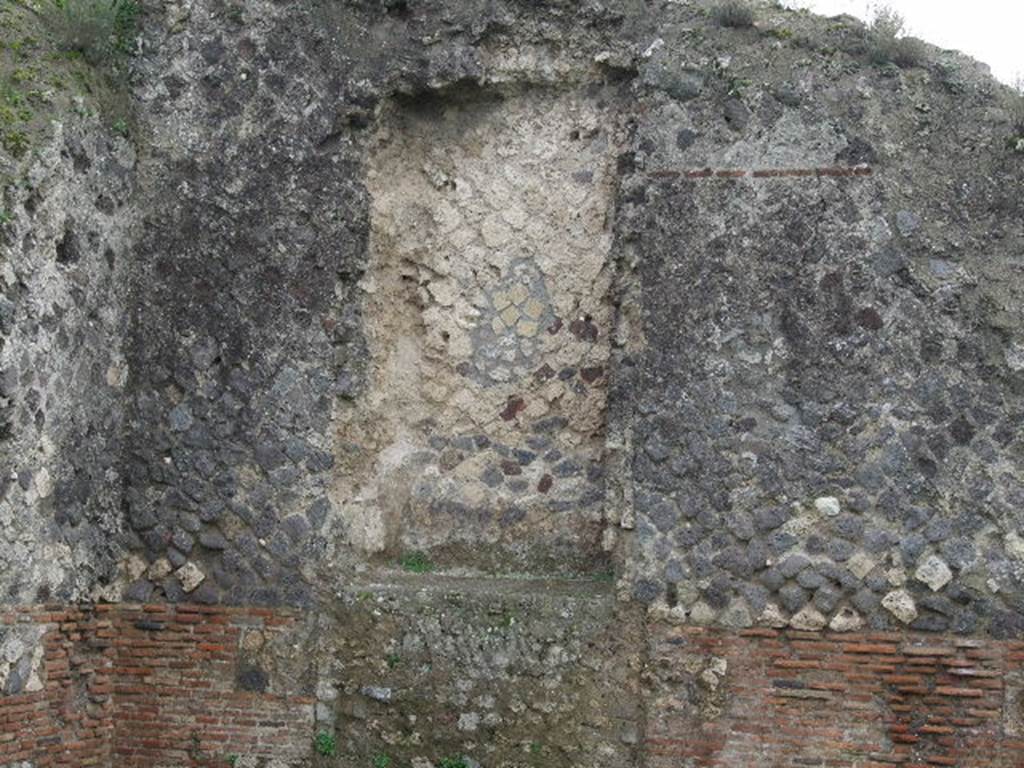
<point>870,319</point>
<point>583,329</point>
<point>511,468</point>
<point>513,407</point>
<point>544,373</point>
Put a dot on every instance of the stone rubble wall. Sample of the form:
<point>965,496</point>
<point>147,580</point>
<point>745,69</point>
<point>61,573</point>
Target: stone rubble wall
<point>64,269</point>
<point>810,458</point>
<point>564,302</point>
<point>451,669</point>
<point>480,433</point>
<point>406,673</point>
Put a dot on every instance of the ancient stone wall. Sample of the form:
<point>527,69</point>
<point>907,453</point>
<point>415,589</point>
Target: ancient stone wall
<point>449,670</point>
<point>517,384</point>
<point>480,434</point>
<point>189,691</point>
<point>386,329</point>
<point>250,251</point>
<point>147,685</point>
<point>824,387</point>
<point>827,447</point>
<point>547,675</point>
<point>63,273</point>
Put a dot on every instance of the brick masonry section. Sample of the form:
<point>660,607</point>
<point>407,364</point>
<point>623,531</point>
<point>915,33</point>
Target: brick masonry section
<point>156,686</point>
<point>185,697</point>
<point>762,173</point>
<point>791,698</point>
<point>173,686</point>
<point>56,707</point>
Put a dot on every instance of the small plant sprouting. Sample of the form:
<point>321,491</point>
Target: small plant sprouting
<point>416,562</point>
<point>889,42</point>
<point>381,761</point>
<point>452,762</point>
<point>99,30</point>
<point>15,141</point>
<point>121,128</point>
<point>233,760</point>
<point>326,744</point>
<point>1017,116</point>
<point>737,86</point>
<point>392,660</point>
<point>733,13</point>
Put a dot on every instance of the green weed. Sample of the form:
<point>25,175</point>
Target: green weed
<point>1017,115</point>
<point>416,562</point>
<point>325,744</point>
<point>733,13</point>
<point>889,43</point>
<point>99,30</point>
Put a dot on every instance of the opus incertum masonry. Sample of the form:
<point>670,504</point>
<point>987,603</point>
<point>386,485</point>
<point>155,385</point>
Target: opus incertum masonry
<point>426,384</point>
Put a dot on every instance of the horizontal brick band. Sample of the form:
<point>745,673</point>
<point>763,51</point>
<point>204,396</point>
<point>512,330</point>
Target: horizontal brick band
<point>150,685</point>
<point>136,686</point>
<point>762,173</point>
<point>787,698</point>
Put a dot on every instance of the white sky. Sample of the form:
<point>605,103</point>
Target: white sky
<point>991,31</point>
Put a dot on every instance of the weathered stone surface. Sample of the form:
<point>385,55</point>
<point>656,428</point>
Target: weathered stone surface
<point>846,620</point>
<point>828,505</point>
<point>21,660</point>
<point>809,618</point>
<point>538,288</point>
<point>190,577</point>
<point>901,605</point>
<point>779,396</point>
<point>934,572</point>
<point>587,289</point>
<point>772,616</point>
<point>450,659</point>
<point>66,228</point>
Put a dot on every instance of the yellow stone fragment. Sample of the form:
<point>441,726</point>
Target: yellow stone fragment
<point>527,328</point>
<point>533,309</point>
<point>519,294</point>
<point>501,300</point>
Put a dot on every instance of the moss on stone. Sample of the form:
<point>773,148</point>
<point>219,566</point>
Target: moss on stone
<point>41,80</point>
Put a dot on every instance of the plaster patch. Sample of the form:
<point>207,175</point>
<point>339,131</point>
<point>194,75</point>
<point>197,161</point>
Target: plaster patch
<point>482,423</point>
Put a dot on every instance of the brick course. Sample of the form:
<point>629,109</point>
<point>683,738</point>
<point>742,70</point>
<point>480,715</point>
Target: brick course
<point>152,686</point>
<point>158,686</point>
<point>791,698</point>
<point>70,721</point>
<point>761,173</point>
<point>177,697</point>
